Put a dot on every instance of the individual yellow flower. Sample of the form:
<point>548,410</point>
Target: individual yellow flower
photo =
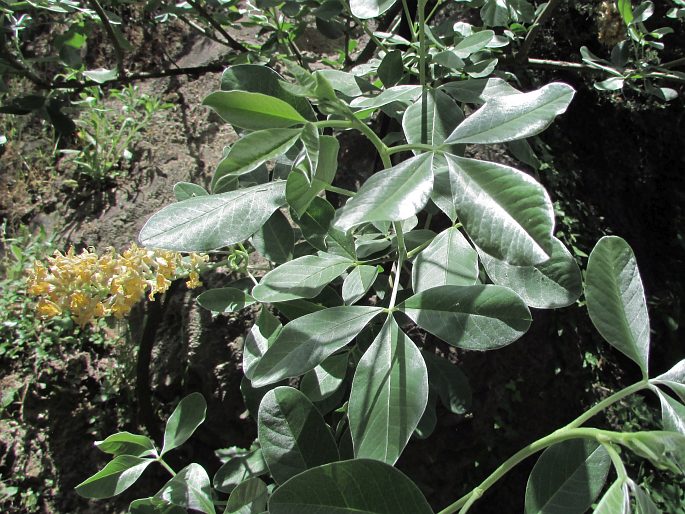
<point>193,280</point>
<point>48,309</point>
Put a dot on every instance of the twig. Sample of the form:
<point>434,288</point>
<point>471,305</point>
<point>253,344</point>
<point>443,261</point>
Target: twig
<point>533,32</point>
<point>217,26</point>
<point>20,67</point>
<point>112,35</point>
<point>674,63</point>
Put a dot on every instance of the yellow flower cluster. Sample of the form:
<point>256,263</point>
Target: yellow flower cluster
<point>90,286</point>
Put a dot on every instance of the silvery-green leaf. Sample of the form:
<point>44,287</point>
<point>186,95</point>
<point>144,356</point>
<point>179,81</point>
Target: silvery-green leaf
<point>505,212</point>
<point>249,497</point>
<point>190,488</point>
<point>473,43</point>
<point>515,116</point>
<point>672,413</point>
<point>479,91</point>
<point>616,299</point>
<point>275,239</point>
<point>253,111</point>
<point>449,382</point>
<point>262,334</point>
<point>185,190</point>
<point>448,260</point>
<point>394,194</point>
<point>552,284</point>
<point>225,299</point>
<point>567,478</point>
<point>615,501</point>
<point>206,223</point>
<point>118,475</point>
<point>643,503</point>
<point>404,94</point>
<point>304,277</point>
<point>674,378</point>
<point>325,379</point>
<point>366,9</point>
<point>307,341</point>
<point>358,282</point>
<point>442,115</point>
<point>479,317</point>
<point>388,397</point>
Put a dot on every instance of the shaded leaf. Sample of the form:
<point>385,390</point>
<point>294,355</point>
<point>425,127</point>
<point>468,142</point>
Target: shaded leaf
<point>249,497</point>
<point>225,299</point>
<point>187,416</point>
<point>126,443</point>
<point>325,379</point>
<point>118,475</point>
<point>358,282</point>
<point>190,488</point>
<point>275,240</point>
<point>240,467</point>
<point>253,111</point>
<point>185,190</point>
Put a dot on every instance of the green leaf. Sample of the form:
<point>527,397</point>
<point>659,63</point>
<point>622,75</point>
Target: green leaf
<point>187,416</point>
<point>505,212</point>
<point>552,284</point>
<point>190,488</point>
<point>325,379</point>
<point>448,260</point>
<point>275,240</point>
<point>479,317</point>
<point>256,78</point>
<point>262,334</point>
<point>349,487</point>
<point>616,299</point>
<point>253,111</point>
<point>442,115</point>
<point>473,43</point>
<point>249,497</point>
<point>253,150</point>
<point>615,501</point>
<point>674,378</point>
<point>307,341</point>
<point>304,277</point>
<point>567,478</point>
<point>126,443</point>
<point>391,69</point>
<point>394,194</point>
<point>625,9</point>
<point>366,9</point>
<point>479,91</point>
<point>209,222</point>
<point>643,503</point>
<point>665,450</point>
<point>449,382</point>
<point>154,506</point>
<point>403,94</point>
<point>317,229</point>
<point>358,282</point>
<point>311,143</point>
<point>185,190</point>
<point>672,413</point>
<point>514,116</point>
<point>118,475</point>
<point>389,395</point>
<point>225,299</point>
<point>293,435</point>
<point>240,467</point>
<point>300,191</point>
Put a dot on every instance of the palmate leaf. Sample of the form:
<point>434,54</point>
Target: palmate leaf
<point>479,317</point>
<point>389,395</point>
<point>505,212</point>
<point>448,260</point>
<point>207,223</point>
<point>304,277</point>
<point>552,284</point>
<point>394,194</point>
<point>306,342</point>
<point>359,486</point>
<point>292,434</point>
<point>616,299</point>
<point>514,117</point>
<point>567,478</point>
<point>674,378</point>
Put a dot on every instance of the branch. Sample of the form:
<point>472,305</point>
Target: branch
<point>217,26</point>
<point>112,35</point>
<point>533,32</point>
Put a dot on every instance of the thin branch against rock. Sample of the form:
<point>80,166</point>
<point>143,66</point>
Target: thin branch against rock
<point>118,50</point>
<point>217,26</point>
<point>544,15</point>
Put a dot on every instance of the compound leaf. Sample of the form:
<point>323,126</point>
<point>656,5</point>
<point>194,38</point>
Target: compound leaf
<point>253,111</point>
<point>126,443</point>
<point>358,282</point>
<point>118,475</point>
<point>190,488</point>
<point>249,497</point>
<point>275,239</point>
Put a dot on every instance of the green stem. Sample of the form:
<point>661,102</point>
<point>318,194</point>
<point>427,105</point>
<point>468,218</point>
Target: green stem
<point>422,42</point>
<point>166,466</point>
<point>401,250</point>
<point>342,124</point>
<point>419,248</point>
<point>407,13</point>
<point>415,146</point>
<point>616,461</point>
<point>339,190</point>
<point>533,448</point>
<point>592,412</point>
<point>473,498</point>
<point>376,141</point>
